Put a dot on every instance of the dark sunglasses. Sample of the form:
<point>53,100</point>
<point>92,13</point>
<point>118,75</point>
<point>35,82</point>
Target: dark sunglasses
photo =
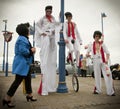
<point>49,11</point>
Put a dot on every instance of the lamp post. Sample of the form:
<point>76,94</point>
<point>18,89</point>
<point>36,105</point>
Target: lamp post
<point>7,38</point>
<point>62,88</point>
<point>32,32</point>
<point>3,66</point>
<point>103,15</point>
<point>6,69</point>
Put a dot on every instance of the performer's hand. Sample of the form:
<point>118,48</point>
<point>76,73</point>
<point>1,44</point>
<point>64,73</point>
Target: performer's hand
<point>43,34</point>
<point>106,61</point>
<point>80,43</point>
<point>33,49</point>
<point>53,32</point>
<point>61,31</point>
<point>86,47</point>
<point>66,41</point>
<point>88,55</point>
<point>108,75</point>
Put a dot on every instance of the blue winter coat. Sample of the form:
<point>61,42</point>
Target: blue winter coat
<point>23,57</point>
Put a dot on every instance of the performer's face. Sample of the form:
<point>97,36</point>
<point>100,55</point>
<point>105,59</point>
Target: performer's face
<point>97,37</point>
<point>69,18</point>
<point>48,12</point>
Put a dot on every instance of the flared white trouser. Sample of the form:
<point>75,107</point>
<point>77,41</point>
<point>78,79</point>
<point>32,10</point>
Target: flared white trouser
<point>98,67</point>
<point>48,57</point>
<point>74,48</point>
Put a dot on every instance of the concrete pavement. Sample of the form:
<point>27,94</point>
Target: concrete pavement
<point>83,99</point>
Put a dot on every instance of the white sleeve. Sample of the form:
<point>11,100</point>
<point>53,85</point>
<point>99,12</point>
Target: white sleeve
<point>38,26</point>
<point>57,32</point>
<point>38,32</point>
<point>64,30</point>
<point>107,53</point>
<point>105,49</point>
<point>78,35</point>
<point>89,48</point>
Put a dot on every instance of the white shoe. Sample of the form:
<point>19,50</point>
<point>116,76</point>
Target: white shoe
<point>52,91</point>
<point>44,94</point>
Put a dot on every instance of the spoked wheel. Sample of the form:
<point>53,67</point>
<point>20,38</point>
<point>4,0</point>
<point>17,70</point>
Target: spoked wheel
<point>75,82</point>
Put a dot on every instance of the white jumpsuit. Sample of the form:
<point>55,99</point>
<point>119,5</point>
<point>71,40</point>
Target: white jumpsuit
<point>73,47</point>
<point>48,54</point>
<point>98,67</point>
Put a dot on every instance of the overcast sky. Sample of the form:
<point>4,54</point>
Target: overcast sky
<point>86,14</point>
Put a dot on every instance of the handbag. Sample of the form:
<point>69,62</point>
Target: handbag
<point>35,67</point>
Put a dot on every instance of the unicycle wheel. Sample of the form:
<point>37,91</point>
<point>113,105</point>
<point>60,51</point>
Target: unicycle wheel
<point>75,83</point>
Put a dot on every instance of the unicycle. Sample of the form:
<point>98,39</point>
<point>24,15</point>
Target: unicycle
<point>75,82</point>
